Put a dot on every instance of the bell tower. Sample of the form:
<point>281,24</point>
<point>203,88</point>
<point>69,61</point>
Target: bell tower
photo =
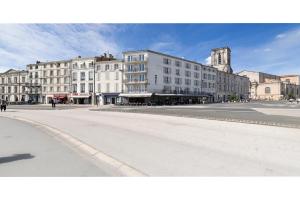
<point>221,59</point>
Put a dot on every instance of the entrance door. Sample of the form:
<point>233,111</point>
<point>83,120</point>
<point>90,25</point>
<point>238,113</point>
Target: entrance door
<point>113,100</point>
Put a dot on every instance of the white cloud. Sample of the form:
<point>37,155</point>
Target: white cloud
<point>279,56</point>
<point>21,44</point>
<point>208,60</point>
<point>280,36</point>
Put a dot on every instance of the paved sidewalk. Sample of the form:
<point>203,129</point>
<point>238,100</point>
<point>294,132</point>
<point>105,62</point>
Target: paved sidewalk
<point>177,146</point>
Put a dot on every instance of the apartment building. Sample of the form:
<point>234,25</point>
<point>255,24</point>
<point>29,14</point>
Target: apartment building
<point>109,81</point>
<point>160,78</point>
<point>49,80</point>
<point>13,86</point>
<point>96,80</point>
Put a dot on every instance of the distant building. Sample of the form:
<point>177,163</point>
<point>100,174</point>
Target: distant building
<point>13,86</point>
<point>229,85</point>
<point>272,87</point>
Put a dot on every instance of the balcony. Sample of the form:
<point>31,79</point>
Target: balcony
<point>135,60</point>
<point>32,84</point>
<point>136,81</point>
<point>136,72</point>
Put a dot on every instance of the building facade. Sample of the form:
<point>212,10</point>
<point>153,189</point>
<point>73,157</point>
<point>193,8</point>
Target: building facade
<point>265,86</point>
<point>230,86</point>
<point>49,80</point>
<point>153,77</point>
<point>13,86</point>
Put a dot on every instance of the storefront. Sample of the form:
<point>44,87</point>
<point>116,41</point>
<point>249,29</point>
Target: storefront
<point>108,98</point>
<point>81,98</point>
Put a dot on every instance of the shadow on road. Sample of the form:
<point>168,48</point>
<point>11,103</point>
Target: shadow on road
<point>15,157</point>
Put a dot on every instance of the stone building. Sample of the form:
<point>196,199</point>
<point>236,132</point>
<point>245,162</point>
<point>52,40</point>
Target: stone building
<point>13,86</point>
<point>229,85</point>
<point>49,80</point>
<point>272,87</point>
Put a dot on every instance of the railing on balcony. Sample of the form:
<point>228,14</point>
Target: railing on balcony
<point>136,81</point>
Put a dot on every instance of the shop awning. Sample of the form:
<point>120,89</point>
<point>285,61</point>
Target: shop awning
<point>136,95</point>
<point>83,96</point>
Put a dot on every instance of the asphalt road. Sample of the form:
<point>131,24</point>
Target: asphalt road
<point>236,112</point>
<point>178,146</point>
<point>28,151</point>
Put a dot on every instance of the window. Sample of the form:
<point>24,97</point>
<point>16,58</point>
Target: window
<point>129,68</point>
<point>91,65</point>
<point>51,73</point>
<point>188,81</point>
<point>74,88</point>
<point>51,80</point>
<point>82,87</point>
<point>58,72</point>
<point>167,79</point>
<point>106,67</point>
<point>204,75</point>
<point>107,76</point>
<point>142,77</point>
<point>15,80</point>
<point>116,66</point>
<point>177,72</point>
<point>267,90</point>
<point>196,75</point>
<point>187,65</point>
<point>75,65</point>
<point>91,87</point>
<point>167,89</point>
<point>177,63</point>
<point>51,89</point>
<point>141,67</point>
<point>141,57</point>
<point>45,81</point>
<point>196,82</point>
<point>82,66</point>
<point>187,73</point>
<point>36,75</point>
<point>209,77</point>
<point>8,89</point>
<point>219,58</point>
<point>16,89</point>
<point>82,76</point>
<point>117,75</point>
<point>58,89</point>
<point>167,70</point>
<point>196,68</point>
<point>129,58</point>
<point>58,80</point>
<point>74,76</point>
<point>66,80</point>
<point>178,81</point>
<point>166,61</point>
<point>91,75</point>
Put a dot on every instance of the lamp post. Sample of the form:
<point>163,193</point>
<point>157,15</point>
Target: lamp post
<point>94,86</point>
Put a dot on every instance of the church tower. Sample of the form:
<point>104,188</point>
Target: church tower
<point>221,59</point>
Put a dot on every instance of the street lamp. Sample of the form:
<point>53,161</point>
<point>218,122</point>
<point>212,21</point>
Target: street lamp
<point>94,86</point>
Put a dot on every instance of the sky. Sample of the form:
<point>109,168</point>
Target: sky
<point>270,48</point>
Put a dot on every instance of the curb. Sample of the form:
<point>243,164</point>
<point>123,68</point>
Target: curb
<point>119,166</point>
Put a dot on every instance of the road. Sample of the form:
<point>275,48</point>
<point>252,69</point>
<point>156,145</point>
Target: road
<point>28,151</point>
<point>268,113</point>
<point>178,146</point>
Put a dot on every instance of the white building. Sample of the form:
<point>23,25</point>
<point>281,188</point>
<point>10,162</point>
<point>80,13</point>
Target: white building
<point>13,86</point>
<point>160,78</point>
<point>109,81</point>
<point>49,80</point>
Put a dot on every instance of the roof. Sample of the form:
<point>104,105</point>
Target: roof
<point>168,55</point>
<point>13,71</point>
<point>216,49</point>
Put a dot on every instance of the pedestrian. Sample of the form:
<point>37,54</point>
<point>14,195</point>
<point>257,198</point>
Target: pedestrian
<point>54,102</point>
<point>3,105</point>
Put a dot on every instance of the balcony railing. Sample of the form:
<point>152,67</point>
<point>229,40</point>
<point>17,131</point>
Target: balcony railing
<point>136,81</point>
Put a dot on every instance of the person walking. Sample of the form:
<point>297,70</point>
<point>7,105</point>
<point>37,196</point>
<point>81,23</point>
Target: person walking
<point>3,105</point>
<point>52,103</point>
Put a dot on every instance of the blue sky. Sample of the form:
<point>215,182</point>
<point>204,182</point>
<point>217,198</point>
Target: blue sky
<point>272,48</point>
